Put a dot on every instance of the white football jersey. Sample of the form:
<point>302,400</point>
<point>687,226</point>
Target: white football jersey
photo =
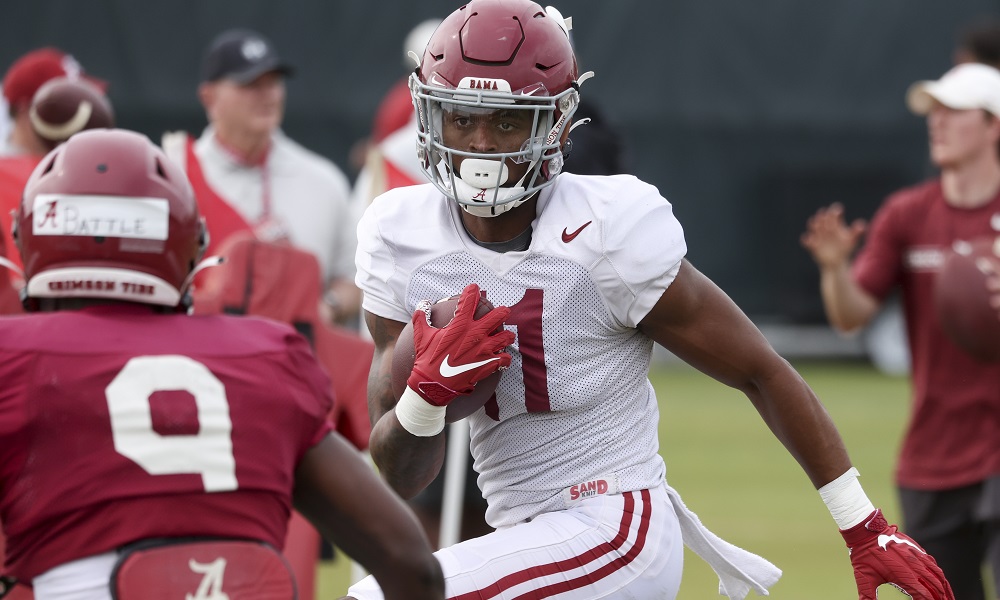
<point>576,405</point>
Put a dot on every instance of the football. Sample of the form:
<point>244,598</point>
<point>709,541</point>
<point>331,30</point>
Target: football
<point>64,106</point>
<point>404,354</point>
<point>962,299</point>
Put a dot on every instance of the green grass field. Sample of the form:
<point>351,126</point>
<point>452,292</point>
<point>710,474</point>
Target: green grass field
<point>747,489</point>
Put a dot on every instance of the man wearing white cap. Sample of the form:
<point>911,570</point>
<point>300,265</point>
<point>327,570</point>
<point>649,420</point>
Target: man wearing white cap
<point>948,472</point>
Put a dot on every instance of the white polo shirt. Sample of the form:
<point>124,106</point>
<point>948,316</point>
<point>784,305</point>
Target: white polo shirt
<point>306,195</point>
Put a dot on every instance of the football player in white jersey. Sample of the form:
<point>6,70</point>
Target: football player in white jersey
<point>587,273</point>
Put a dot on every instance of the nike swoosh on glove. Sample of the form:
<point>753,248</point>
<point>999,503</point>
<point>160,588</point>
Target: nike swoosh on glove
<point>451,360</point>
<point>880,554</point>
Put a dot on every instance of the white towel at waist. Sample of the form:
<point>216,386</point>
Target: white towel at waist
<point>739,571</point>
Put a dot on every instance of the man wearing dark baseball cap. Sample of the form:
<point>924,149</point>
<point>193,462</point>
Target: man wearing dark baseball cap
<point>250,176</point>
<point>241,56</point>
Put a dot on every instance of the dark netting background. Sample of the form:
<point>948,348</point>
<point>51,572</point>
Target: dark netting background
<point>746,115</point>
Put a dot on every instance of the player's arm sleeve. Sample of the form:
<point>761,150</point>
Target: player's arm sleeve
<point>643,247</point>
<point>879,263</point>
<point>377,272</point>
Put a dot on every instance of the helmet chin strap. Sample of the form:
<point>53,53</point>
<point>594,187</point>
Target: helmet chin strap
<point>206,263</point>
<point>480,181</point>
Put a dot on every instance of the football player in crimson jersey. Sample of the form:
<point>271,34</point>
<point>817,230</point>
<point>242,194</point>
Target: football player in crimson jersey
<point>125,423</point>
<point>586,272</point>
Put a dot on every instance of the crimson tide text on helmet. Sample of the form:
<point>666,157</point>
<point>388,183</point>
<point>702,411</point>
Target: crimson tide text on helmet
<point>108,215</point>
<point>488,56</point>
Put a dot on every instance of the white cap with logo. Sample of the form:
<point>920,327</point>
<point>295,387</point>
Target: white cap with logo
<point>966,86</point>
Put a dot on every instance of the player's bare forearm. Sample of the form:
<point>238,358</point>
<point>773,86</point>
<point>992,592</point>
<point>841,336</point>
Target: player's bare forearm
<point>848,307</point>
<point>700,324</point>
<point>790,409</point>
<point>384,334</point>
<point>799,420</point>
<point>351,508</point>
<point>407,463</point>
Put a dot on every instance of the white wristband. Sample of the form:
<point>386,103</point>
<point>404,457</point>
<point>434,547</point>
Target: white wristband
<point>418,416</point>
<point>845,499</point>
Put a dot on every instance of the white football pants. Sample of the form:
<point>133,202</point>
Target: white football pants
<point>622,546</point>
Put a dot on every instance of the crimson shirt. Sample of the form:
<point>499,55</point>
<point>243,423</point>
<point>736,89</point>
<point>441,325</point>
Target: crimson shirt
<point>118,424</point>
<point>953,438</point>
<point>14,174</point>
<point>10,301</point>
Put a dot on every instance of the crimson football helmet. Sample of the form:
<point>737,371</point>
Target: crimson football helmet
<point>493,57</point>
<point>108,215</point>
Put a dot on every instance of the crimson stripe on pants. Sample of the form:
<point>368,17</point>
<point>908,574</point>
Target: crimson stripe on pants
<point>514,579</point>
<point>611,567</point>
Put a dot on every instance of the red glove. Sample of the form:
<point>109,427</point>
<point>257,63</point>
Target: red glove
<point>451,360</point>
<point>880,553</point>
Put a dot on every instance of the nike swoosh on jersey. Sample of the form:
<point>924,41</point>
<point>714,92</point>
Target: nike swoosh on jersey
<point>568,237</point>
<point>449,370</point>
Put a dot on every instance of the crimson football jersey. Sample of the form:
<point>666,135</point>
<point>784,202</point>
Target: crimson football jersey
<point>118,424</point>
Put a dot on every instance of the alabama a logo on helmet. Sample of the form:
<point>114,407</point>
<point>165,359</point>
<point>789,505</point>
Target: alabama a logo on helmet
<point>101,216</point>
